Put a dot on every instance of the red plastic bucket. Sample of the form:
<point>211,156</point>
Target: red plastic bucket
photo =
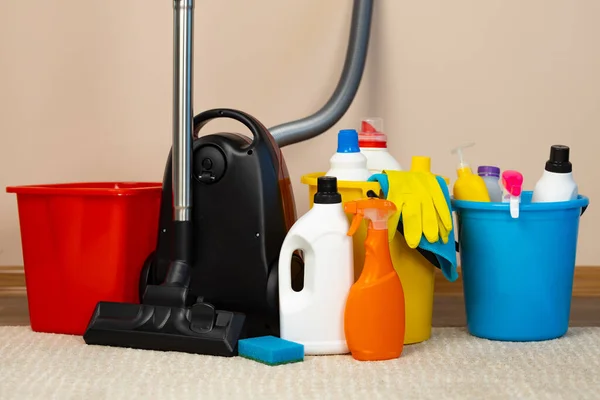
<point>83,243</point>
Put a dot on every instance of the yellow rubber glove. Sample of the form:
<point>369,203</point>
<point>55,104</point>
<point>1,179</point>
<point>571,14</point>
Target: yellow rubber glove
<point>421,203</point>
<point>444,230</point>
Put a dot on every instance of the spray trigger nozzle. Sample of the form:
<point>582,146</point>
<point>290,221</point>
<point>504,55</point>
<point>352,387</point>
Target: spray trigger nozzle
<point>459,150</point>
<point>512,182</point>
<point>355,224</point>
<point>374,209</point>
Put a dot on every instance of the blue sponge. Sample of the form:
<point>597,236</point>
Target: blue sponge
<point>271,350</point>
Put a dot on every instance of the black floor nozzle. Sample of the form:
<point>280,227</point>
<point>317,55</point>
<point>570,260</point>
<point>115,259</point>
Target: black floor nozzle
<point>165,321</point>
<point>169,319</point>
<point>199,329</point>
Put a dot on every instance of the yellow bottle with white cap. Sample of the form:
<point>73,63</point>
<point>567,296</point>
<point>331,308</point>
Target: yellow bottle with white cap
<point>468,186</point>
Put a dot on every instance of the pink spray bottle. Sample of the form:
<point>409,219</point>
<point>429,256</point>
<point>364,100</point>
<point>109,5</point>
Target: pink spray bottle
<point>512,183</point>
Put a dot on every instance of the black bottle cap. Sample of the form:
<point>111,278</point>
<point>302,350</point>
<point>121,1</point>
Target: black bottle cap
<point>559,160</point>
<point>327,191</point>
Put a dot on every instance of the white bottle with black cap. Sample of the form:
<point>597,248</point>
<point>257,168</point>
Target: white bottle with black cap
<point>314,316</point>
<point>557,183</point>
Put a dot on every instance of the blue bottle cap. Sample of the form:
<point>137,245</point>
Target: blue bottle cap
<point>348,141</point>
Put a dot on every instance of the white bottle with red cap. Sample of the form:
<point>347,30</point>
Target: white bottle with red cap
<point>373,144</point>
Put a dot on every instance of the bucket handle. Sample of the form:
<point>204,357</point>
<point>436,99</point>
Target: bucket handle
<point>457,246</point>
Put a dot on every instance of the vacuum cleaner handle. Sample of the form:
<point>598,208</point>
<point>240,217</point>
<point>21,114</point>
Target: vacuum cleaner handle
<point>259,131</point>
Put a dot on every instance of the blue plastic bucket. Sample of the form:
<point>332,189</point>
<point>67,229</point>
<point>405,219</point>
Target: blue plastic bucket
<point>518,273</point>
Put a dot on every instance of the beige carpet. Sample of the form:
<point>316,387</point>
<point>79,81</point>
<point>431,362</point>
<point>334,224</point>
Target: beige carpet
<point>451,365</point>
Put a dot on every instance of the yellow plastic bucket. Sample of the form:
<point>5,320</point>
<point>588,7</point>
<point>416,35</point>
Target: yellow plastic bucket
<point>415,272</point>
<point>418,278</point>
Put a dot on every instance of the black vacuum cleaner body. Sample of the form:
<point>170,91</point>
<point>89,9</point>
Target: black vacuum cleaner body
<point>242,209</point>
<point>212,279</point>
<point>227,206</point>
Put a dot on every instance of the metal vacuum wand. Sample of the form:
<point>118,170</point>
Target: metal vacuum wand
<point>178,273</point>
<point>183,113</point>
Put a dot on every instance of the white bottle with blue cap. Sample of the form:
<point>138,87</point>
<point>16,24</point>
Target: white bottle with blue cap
<point>348,163</point>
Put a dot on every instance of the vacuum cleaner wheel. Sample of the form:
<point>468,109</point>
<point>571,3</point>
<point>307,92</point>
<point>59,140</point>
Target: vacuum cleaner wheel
<point>271,321</point>
<point>150,275</point>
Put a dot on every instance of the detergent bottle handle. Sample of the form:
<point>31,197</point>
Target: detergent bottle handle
<point>259,132</point>
<point>294,241</point>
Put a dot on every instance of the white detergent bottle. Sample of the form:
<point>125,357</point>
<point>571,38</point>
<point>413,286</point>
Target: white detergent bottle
<point>314,316</point>
<point>556,183</point>
<point>373,144</point>
<point>348,163</point>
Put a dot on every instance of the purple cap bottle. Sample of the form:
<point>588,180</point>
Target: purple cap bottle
<point>488,170</point>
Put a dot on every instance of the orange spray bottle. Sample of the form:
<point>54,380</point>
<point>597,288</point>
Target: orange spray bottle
<point>374,316</point>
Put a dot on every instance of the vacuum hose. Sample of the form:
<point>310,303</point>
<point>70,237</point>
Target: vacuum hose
<point>356,55</point>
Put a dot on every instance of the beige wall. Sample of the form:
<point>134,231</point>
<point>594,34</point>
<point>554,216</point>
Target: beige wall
<point>85,87</point>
